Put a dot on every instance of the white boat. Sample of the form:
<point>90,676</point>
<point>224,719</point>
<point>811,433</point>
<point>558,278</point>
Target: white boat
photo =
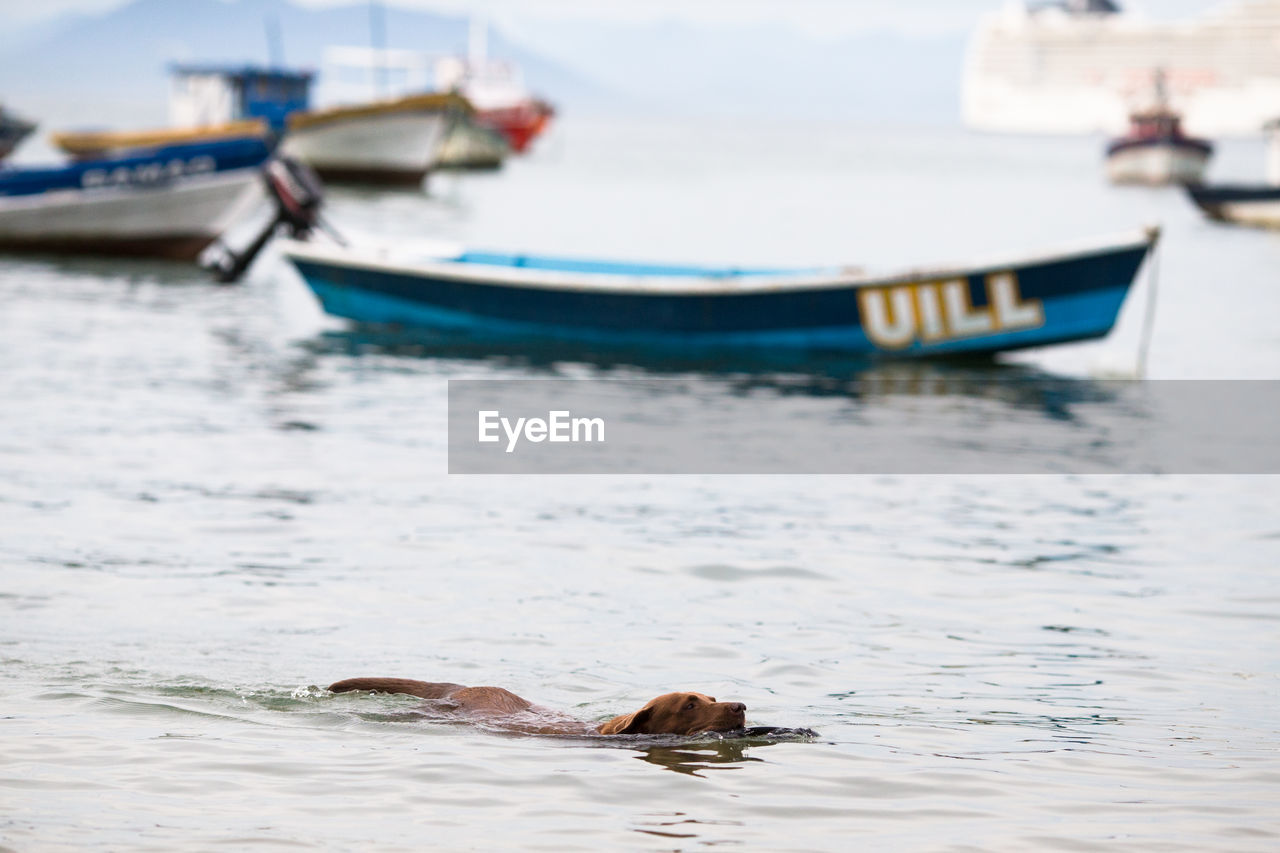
<point>167,202</point>
<point>1079,66</point>
<point>1258,206</point>
<point>468,145</point>
<point>1246,204</point>
<point>494,88</point>
<point>393,141</point>
<point>1155,151</point>
<point>1158,164</point>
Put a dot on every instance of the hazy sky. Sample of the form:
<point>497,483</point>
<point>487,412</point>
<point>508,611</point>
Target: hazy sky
<point>818,17</point>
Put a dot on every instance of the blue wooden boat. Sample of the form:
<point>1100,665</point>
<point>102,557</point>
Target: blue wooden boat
<point>1070,294</point>
<point>167,201</point>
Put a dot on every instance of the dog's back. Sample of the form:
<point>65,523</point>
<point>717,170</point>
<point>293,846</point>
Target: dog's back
<point>421,689</point>
<point>494,706</point>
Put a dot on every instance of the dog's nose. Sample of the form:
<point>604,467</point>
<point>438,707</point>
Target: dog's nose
<point>738,708</point>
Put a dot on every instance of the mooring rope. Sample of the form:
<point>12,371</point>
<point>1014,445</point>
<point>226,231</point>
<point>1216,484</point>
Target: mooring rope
<point>1149,321</point>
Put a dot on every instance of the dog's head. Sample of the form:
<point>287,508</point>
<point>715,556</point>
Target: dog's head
<point>679,714</point>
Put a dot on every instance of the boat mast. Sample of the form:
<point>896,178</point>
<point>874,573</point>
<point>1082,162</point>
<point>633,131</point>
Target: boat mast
<point>477,43</point>
<point>378,42</point>
<point>275,44</point>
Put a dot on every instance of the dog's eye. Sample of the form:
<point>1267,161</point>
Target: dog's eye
<point>690,706</point>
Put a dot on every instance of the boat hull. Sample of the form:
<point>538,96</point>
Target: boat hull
<point>176,222</point>
<point>519,124</point>
<point>382,148</point>
<point>1258,206</point>
<point>980,309</point>
<point>470,146</point>
<point>169,203</point>
<point>1157,163</point>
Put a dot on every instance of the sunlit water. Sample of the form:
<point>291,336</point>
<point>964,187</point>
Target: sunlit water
<point>215,501</point>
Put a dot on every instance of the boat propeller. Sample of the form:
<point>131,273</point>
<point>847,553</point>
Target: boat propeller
<point>297,193</point>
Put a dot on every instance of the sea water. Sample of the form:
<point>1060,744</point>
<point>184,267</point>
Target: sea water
<point>215,501</point>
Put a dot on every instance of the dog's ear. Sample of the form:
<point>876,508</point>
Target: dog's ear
<point>628,724</point>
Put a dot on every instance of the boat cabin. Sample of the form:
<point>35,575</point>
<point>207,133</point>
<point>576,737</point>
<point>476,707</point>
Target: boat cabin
<point>202,95</point>
<point>1155,124</point>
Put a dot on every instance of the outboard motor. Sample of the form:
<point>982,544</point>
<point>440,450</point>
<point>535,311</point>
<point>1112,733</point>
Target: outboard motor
<point>297,193</point>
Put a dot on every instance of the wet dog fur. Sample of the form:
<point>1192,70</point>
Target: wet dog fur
<point>681,713</point>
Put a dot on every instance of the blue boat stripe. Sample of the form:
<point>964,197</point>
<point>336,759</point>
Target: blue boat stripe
<point>1070,317</point>
<point>157,167</point>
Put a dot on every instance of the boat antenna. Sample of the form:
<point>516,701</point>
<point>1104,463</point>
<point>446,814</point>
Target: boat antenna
<point>477,41</point>
<point>275,44</point>
<point>1162,89</point>
<point>378,41</point>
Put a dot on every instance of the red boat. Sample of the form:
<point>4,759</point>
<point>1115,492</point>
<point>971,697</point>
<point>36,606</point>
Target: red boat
<point>519,123</point>
<point>496,89</point>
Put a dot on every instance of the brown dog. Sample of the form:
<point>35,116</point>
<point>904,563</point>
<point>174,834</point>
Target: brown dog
<point>671,713</point>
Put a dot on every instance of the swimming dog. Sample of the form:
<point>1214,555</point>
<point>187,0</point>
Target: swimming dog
<point>680,713</point>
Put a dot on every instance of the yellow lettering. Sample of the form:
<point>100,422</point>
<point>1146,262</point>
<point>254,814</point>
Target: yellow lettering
<point>888,315</point>
<point>962,318</point>
<point>1011,312</point>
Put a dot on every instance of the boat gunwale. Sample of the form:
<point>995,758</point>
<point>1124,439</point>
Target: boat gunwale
<point>429,103</point>
<point>86,195</point>
<point>708,285</point>
<point>87,142</point>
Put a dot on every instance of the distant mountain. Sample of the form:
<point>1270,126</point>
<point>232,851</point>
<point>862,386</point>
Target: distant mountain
<point>111,68</point>
<point>766,71</point>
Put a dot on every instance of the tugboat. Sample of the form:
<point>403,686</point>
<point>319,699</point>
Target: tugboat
<point>1155,151</point>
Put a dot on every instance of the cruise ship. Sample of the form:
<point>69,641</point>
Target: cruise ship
<point>1083,66</point>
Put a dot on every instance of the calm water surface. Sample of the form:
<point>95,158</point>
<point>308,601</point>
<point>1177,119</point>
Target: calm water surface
<point>215,501</point>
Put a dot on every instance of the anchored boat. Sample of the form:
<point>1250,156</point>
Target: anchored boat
<point>1246,204</point>
<point>1155,151</point>
<point>1031,300</point>
<point>388,142</point>
<point>1239,204</point>
<point>12,131</point>
<point>169,201</point>
<point>496,89</point>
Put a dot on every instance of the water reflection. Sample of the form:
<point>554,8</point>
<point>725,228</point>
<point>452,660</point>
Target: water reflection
<point>743,374</point>
<point>678,825</point>
<point>691,759</point>
<point>98,268</point>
